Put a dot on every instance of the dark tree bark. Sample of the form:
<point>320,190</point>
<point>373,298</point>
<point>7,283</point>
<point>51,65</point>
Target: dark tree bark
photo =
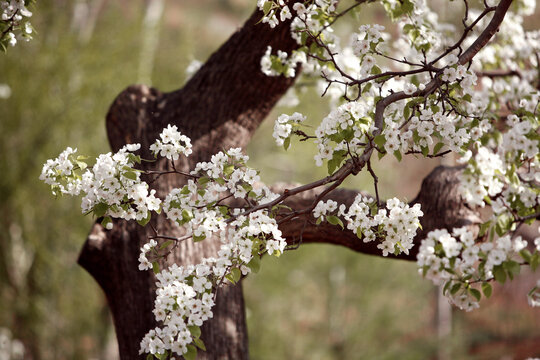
<point>219,108</point>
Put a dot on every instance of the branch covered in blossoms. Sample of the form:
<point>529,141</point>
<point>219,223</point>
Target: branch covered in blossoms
<point>431,102</point>
<point>14,24</point>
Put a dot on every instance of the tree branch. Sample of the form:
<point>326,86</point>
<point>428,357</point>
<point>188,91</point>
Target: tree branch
<point>439,198</point>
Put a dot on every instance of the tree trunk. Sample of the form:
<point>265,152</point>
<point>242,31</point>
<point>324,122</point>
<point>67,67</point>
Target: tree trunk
<point>219,108</point>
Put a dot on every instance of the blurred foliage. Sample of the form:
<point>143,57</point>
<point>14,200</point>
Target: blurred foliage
<point>320,302</point>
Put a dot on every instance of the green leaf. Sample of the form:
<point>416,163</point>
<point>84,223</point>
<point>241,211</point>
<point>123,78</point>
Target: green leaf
<point>165,244</point>
<point>195,331</point>
<point>512,267</point>
<point>287,143</point>
<point>145,221</point>
<point>437,148</point>
<point>191,353</point>
<point>366,88</point>
<point>149,357</point>
<point>201,181</point>
<point>236,274</point>
<point>455,288</point>
<point>484,228</point>
<point>425,150</point>
<point>334,220</point>
<point>397,154</point>
<point>375,70</point>
<point>155,267</point>
<point>487,289</point>
<point>406,111</point>
<point>255,264</point>
<point>130,175</point>
<point>267,7</point>
<point>535,261</point>
<point>220,181</point>
<point>100,209</point>
<point>359,233</point>
<point>446,287</point>
<point>474,292</point>
<point>332,164</point>
<point>106,220</point>
<point>200,344</point>
<point>526,255</point>
<point>228,169</point>
<point>407,28</point>
<point>199,238</point>
<point>499,274</point>
<point>504,222</point>
<point>82,165</point>
<point>380,140</point>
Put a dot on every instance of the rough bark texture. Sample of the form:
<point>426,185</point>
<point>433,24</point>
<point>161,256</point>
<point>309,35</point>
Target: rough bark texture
<point>219,108</point>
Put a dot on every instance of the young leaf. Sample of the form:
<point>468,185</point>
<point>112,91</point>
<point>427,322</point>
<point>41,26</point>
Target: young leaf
<point>477,295</point>
<point>130,175</point>
<point>145,221</point>
<point>100,209</point>
<point>199,238</point>
<point>499,274</point>
<point>455,288</point>
<point>236,274</point>
<point>195,331</point>
<point>191,353</point>
<point>255,264</point>
<point>334,220</point>
<point>437,148</point>
<point>487,289</point>
<point>200,344</point>
<point>165,244</point>
<point>155,267</point>
<point>287,143</point>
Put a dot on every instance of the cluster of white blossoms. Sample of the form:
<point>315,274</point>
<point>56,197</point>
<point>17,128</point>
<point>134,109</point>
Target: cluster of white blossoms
<point>14,16</point>
<point>476,188</point>
<point>462,265</point>
<point>310,20</point>
<point>342,132</point>
<point>284,126</point>
<point>281,63</point>
<point>172,144</point>
<point>366,39</point>
<point>277,11</point>
<point>183,302</point>
<point>112,188</point>
<point>274,12</point>
<point>396,225</point>
<point>185,296</point>
<point>198,203</point>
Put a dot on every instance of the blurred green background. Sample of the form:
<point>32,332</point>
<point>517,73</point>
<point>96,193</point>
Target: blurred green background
<point>320,302</point>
